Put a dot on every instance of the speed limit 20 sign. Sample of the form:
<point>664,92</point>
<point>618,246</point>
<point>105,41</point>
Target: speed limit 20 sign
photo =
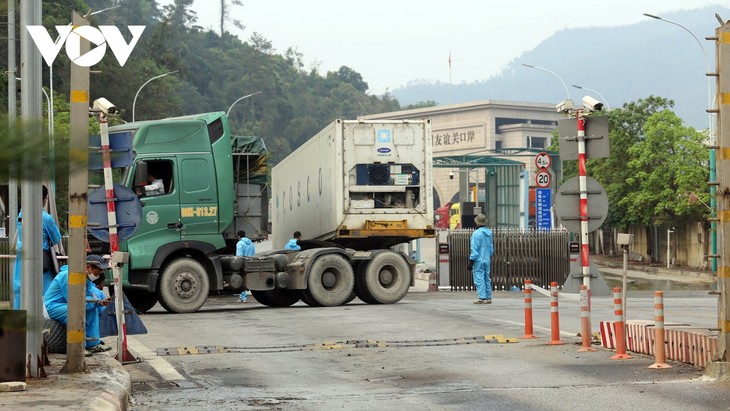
<point>542,178</point>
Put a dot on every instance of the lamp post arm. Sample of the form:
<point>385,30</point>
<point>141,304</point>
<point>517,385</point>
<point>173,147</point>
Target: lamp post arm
<point>242,98</point>
<point>567,93</point>
<point>134,102</point>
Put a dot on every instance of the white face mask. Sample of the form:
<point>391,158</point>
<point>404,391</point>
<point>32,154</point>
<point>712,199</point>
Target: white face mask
<point>93,277</point>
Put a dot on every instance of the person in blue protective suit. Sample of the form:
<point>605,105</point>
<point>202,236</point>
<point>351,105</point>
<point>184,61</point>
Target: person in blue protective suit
<point>482,248</point>
<point>56,300</point>
<point>292,244</point>
<point>244,248</point>
<point>51,237</point>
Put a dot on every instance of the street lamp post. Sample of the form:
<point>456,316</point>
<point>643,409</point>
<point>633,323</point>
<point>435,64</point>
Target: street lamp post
<point>567,93</point>
<point>596,93</point>
<point>134,103</point>
<point>242,98</point>
<point>712,145</point>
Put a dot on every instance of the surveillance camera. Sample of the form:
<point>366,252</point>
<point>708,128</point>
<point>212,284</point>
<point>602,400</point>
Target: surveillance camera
<point>564,106</point>
<point>591,104</point>
<point>451,175</point>
<point>105,106</point>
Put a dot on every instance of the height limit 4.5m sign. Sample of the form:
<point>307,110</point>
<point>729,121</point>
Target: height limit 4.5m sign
<point>543,160</point>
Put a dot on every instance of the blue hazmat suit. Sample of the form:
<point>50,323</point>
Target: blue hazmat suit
<point>482,249</point>
<point>51,237</point>
<point>56,302</point>
<point>292,245</point>
<point>245,248</point>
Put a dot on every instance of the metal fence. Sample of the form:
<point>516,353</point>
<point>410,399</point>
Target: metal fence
<point>6,270</point>
<point>539,255</point>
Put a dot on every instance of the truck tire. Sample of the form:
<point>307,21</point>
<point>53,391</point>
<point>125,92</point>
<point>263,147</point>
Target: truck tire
<point>141,300</point>
<point>55,335</point>
<point>386,279</point>
<point>183,287</point>
<point>308,299</point>
<point>361,289</point>
<point>330,280</point>
<point>276,298</point>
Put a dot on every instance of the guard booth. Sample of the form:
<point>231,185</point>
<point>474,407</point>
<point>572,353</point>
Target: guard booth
<point>489,185</point>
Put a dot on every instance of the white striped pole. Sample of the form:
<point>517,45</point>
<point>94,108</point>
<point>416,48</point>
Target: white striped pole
<point>619,326</point>
<point>122,352</point>
<point>528,310</point>
<point>585,321</point>
<point>660,356</point>
<point>583,204</point>
<point>554,315</point>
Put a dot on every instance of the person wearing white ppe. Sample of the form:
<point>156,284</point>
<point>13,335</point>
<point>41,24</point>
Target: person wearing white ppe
<point>482,249</point>
<point>155,186</point>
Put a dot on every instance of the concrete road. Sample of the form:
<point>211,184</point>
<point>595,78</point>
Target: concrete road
<point>232,356</point>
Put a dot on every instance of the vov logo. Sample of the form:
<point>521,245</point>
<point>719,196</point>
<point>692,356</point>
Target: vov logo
<point>71,37</point>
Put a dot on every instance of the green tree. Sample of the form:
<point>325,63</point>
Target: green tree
<point>665,166</point>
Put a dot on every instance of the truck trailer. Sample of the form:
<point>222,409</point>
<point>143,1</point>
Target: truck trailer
<point>354,191</point>
<point>367,187</point>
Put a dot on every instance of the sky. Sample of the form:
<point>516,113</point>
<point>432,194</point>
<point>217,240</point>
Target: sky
<point>391,43</point>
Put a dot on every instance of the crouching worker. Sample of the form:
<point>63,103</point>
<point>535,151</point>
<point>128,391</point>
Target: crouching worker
<point>56,300</point>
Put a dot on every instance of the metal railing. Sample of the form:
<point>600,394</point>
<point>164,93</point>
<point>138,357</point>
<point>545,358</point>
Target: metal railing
<point>6,270</point>
<point>539,255</point>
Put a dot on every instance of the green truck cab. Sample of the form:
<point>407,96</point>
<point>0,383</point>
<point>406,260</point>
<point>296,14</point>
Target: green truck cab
<point>178,253</point>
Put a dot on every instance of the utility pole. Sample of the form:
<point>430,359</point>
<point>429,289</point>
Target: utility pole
<point>31,201</point>
<point>721,366</point>
<point>77,207</point>
<point>12,113</point>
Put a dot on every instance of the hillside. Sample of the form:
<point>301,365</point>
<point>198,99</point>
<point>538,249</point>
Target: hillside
<point>622,63</point>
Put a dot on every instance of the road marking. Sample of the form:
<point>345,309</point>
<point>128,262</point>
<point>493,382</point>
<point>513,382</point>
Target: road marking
<point>166,371</point>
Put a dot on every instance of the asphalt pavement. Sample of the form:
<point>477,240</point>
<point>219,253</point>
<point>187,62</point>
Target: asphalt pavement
<point>107,385</point>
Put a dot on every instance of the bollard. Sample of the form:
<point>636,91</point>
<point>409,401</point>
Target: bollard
<point>660,356</point>
<point>585,321</point>
<point>433,282</point>
<point>554,316</point>
<point>528,310</point>
<point>619,326</point>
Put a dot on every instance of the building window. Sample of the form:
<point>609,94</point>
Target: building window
<point>536,142</point>
<point>497,145</point>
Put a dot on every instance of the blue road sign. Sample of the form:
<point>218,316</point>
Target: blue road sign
<point>120,145</point>
<point>128,212</point>
<point>542,208</point>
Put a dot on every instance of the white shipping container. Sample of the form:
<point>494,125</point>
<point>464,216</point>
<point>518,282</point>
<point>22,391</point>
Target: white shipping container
<point>358,176</point>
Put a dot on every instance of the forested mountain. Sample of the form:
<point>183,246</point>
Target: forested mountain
<point>212,71</point>
<point>622,63</point>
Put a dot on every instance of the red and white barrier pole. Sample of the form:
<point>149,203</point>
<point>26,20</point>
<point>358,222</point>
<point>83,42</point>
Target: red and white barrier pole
<point>585,321</point>
<point>123,354</point>
<point>619,326</point>
<point>554,315</point>
<point>660,355</point>
<point>583,187</point>
<point>528,310</point>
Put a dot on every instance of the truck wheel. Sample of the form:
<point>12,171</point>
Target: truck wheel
<point>330,280</point>
<point>141,300</point>
<point>183,287</point>
<point>55,336</point>
<point>307,298</point>
<point>352,296</point>
<point>361,289</point>
<point>386,280</point>
<point>276,298</point>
